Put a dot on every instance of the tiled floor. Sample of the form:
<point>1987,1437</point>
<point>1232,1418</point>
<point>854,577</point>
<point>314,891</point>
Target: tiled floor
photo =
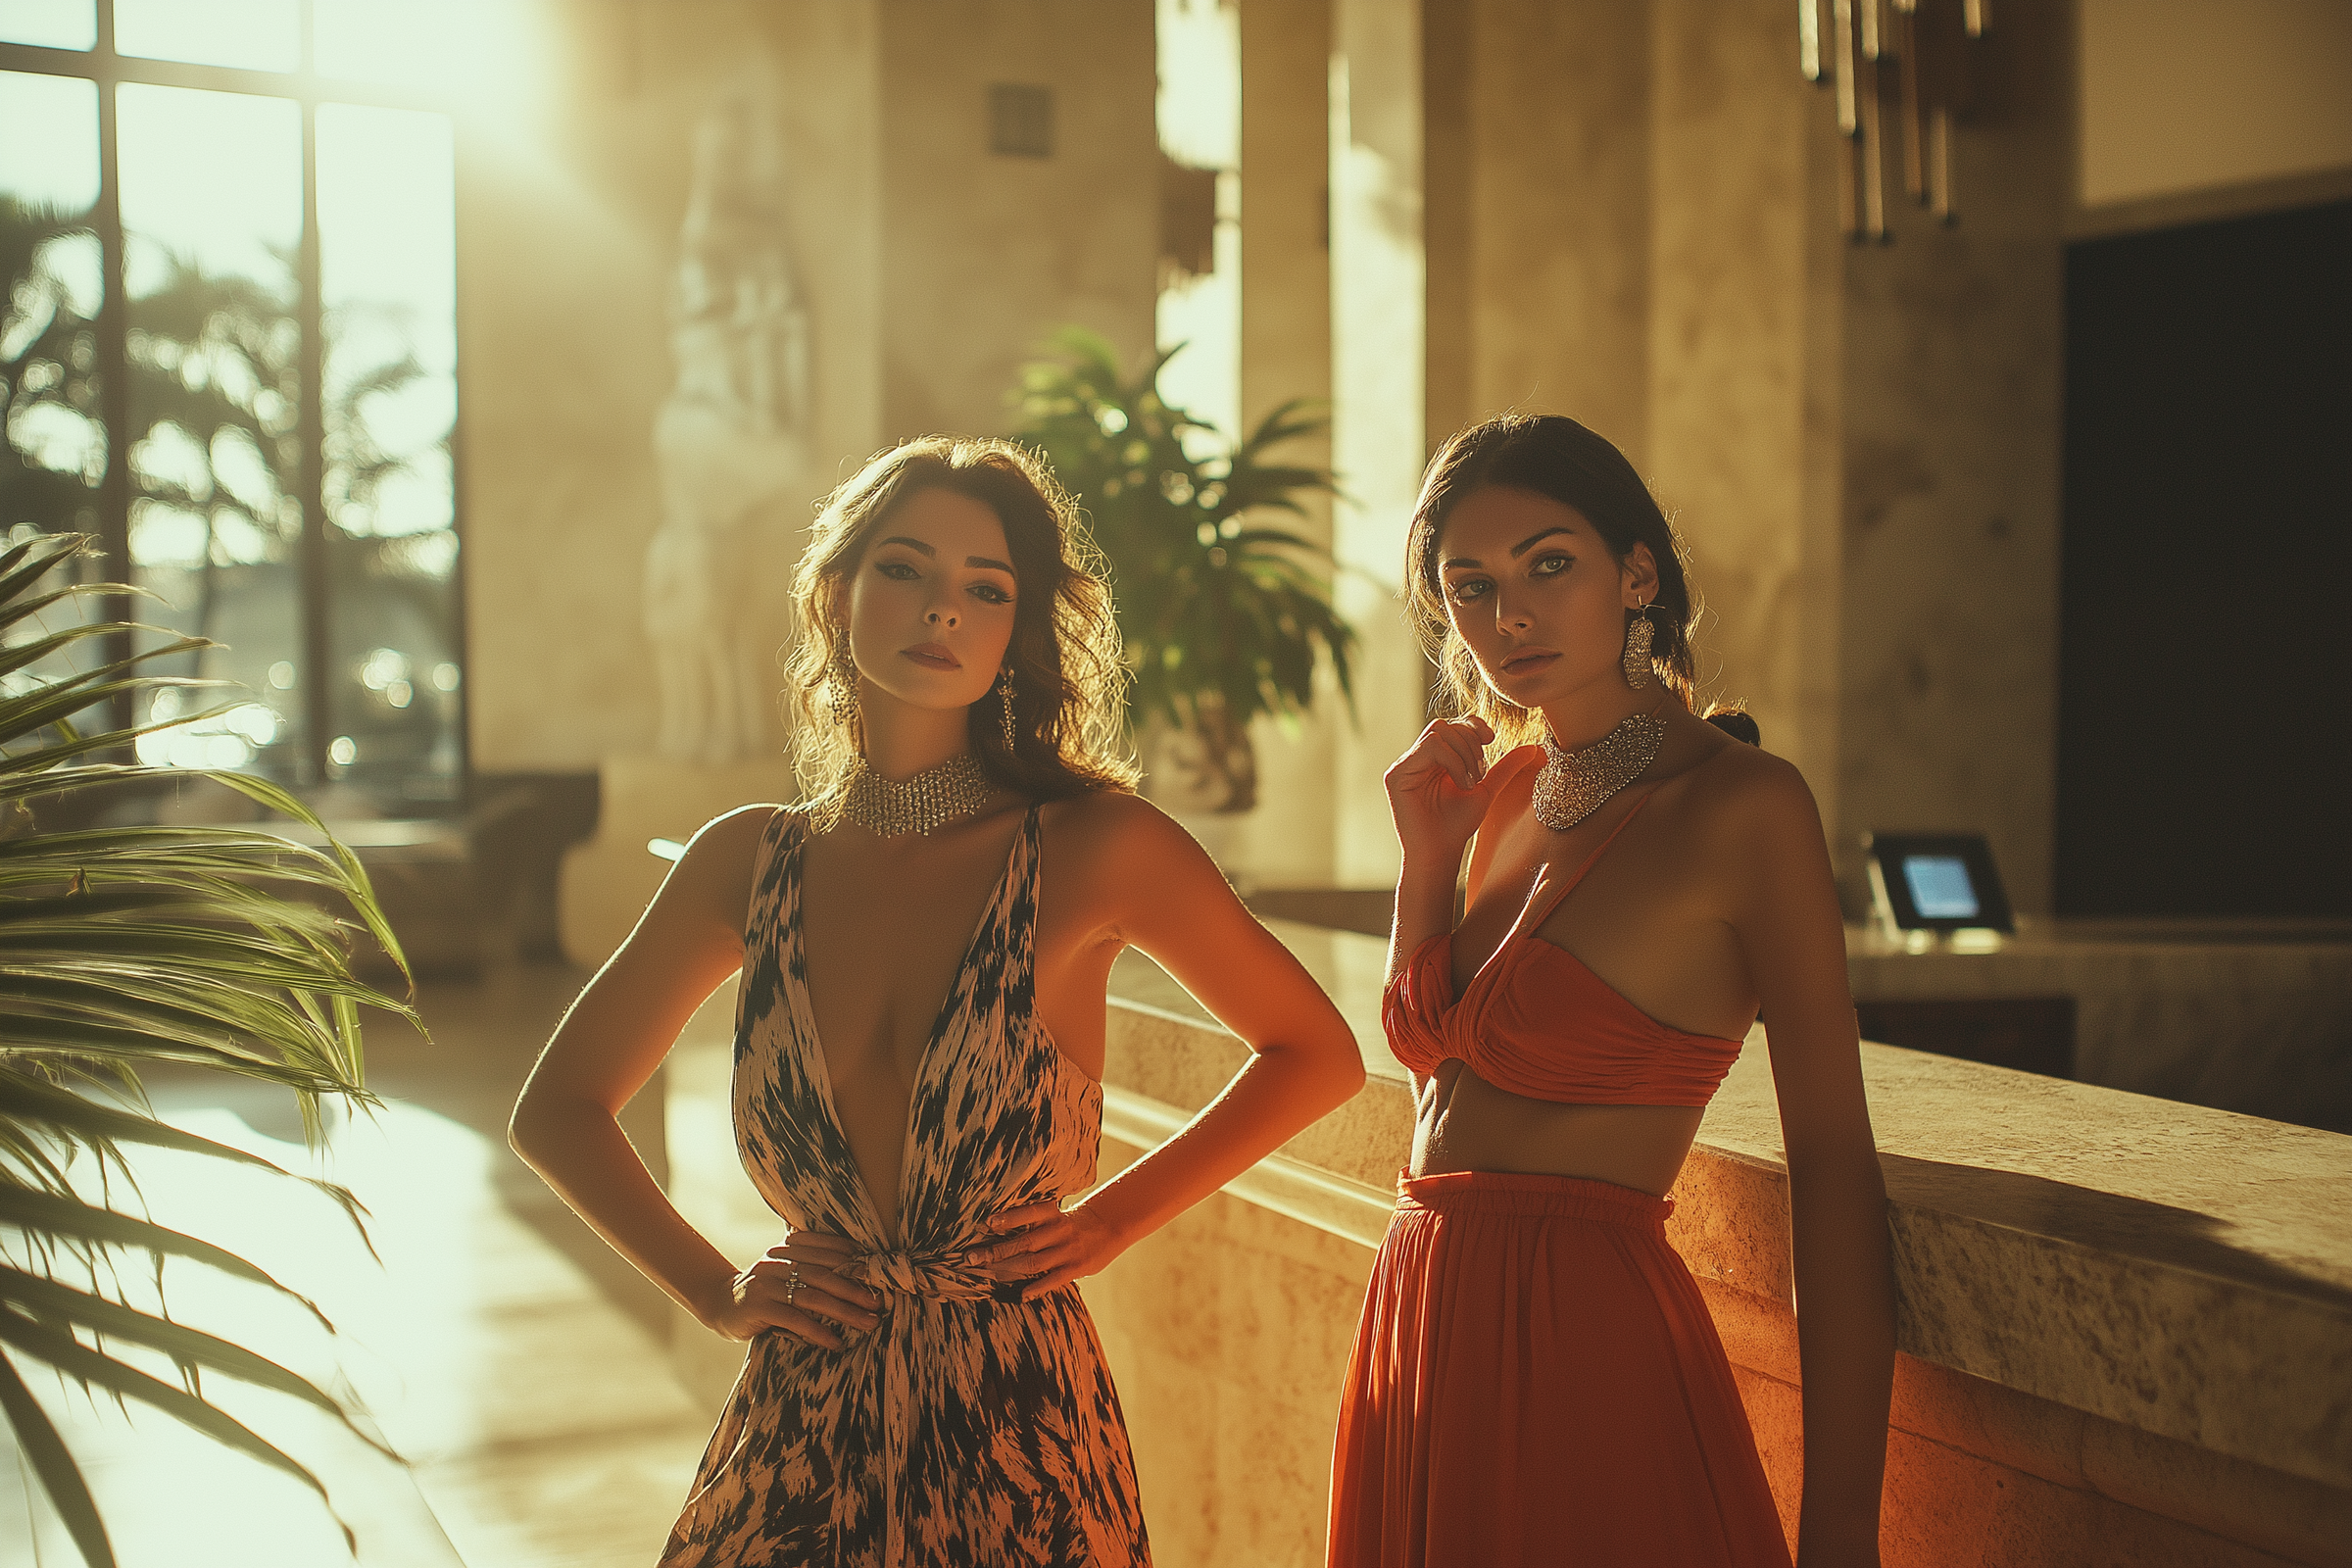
<point>517,1366</point>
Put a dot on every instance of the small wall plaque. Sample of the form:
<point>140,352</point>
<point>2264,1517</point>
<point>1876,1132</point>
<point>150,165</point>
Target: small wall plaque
<point>1020,121</point>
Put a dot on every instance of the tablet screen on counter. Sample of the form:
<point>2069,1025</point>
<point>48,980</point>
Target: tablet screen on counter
<point>1940,889</point>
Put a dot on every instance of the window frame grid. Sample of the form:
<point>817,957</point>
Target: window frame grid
<point>108,69</point>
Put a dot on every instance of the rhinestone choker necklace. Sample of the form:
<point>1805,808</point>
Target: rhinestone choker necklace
<point>930,799</point>
<point>1572,785</point>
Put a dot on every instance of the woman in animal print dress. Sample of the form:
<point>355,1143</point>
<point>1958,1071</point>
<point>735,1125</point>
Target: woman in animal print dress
<point>925,943</point>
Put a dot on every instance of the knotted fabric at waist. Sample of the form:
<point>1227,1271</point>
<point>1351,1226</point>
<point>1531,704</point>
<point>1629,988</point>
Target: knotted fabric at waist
<point>944,1275</point>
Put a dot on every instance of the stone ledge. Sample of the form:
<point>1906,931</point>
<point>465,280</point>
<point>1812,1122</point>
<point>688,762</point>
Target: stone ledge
<point>2235,1500</point>
<point>1336,1205</point>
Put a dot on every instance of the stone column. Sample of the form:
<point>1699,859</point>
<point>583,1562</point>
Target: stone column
<point>1557,204</point>
<point>1861,443</point>
<point>1379,438</point>
<point>1290,839</point>
<point>1951,408</point>
<point>1736,322</point>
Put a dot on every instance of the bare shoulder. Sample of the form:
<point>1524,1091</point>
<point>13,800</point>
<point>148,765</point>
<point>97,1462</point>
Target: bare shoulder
<point>1745,801</point>
<point>731,837</point>
<point>742,825</point>
<point>1113,829</point>
<point>1122,867</point>
<point>713,877</point>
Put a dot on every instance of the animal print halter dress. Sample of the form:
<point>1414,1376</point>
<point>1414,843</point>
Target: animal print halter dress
<point>967,1427</point>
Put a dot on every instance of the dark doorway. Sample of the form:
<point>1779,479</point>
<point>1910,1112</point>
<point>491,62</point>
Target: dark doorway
<point>2206,651</point>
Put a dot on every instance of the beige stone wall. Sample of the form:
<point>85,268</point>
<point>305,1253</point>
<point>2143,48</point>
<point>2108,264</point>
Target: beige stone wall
<point>568,230</point>
<point>983,255</point>
<point>1624,226</point>
<point>1620,211</point>
<point>827,54</point>
<point>2182,95</point>
<point>1953,348</point>
<point>1227,1333</point>
<point>1624,221</point>
<point>1555,210</point>
<point>564,237</point>
<point>1380,433</point>
<point>1730,333</point>
<point>930,268</point>
<point>1286,353</point>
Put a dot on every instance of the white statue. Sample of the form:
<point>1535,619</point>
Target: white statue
<point>730,439</point>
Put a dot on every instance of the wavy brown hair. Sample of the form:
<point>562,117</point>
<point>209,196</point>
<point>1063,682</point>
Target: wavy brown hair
<point>1069,675</point>
<point>1556,458</point>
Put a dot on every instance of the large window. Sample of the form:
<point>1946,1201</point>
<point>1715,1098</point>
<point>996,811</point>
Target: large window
<point>229,351</point>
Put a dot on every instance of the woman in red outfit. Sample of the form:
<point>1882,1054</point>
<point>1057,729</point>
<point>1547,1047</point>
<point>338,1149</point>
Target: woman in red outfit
<point>1536,1377</point>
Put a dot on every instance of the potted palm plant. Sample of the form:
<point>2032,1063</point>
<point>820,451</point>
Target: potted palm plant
<point>130,947</point>
<point>1225,618</point>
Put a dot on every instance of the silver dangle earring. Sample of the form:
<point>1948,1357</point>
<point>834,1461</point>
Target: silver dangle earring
<point>1005,691</point>
<point>1637,635</point>
<point>842,699</point>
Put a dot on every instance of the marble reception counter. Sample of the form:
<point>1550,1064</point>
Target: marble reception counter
<point>2125,1324</point>
<point>2245,1016</point>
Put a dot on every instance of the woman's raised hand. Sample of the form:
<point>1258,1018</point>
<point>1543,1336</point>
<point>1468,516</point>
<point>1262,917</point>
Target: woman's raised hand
<point>799,1288</point>
<point>1438,792</point>
<point>1044,1247</point>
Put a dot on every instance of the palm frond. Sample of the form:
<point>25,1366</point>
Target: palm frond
<point>51,1214</point>
<point>126,947</point>
<point>30,1102</point>
<point>61,1349</point>
<point>60,1476</point>
<point>56,1305</point>
<point>1294,421</point>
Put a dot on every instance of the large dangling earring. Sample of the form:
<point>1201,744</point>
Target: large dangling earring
<point>1637,633</point>
<point>842,699</point>
<point>1005,691</point>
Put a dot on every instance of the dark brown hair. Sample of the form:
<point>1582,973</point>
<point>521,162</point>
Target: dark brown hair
<point>1553,457</point>
<point>1069,677</point>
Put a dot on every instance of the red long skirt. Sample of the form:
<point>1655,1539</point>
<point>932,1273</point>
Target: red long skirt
<point>1536,1381</point>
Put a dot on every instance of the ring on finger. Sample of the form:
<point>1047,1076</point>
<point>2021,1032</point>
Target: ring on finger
<point>792,1283</point>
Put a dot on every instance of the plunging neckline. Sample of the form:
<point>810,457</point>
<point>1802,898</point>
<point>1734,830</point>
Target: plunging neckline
<point>820,1069</point>
<point>1517,928</point>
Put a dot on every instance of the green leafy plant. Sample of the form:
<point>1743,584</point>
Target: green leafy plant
<point>50,464</point>
<point>130,947</point>
<point>1225,619</point>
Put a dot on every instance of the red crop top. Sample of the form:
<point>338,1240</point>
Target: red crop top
<point>1535,1021</point>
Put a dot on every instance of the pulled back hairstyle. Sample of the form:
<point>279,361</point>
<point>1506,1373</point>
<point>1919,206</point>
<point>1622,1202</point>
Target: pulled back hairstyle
<point>1556,458</point>
<point>1069,677</point>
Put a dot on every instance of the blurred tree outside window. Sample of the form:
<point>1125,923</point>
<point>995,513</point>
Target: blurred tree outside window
<point>228,347</point>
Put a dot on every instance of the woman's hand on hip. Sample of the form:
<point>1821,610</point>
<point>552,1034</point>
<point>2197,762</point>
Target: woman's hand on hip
<point>1046,1247</point>
<point>1439,789</point>
<point>800,1289</point>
